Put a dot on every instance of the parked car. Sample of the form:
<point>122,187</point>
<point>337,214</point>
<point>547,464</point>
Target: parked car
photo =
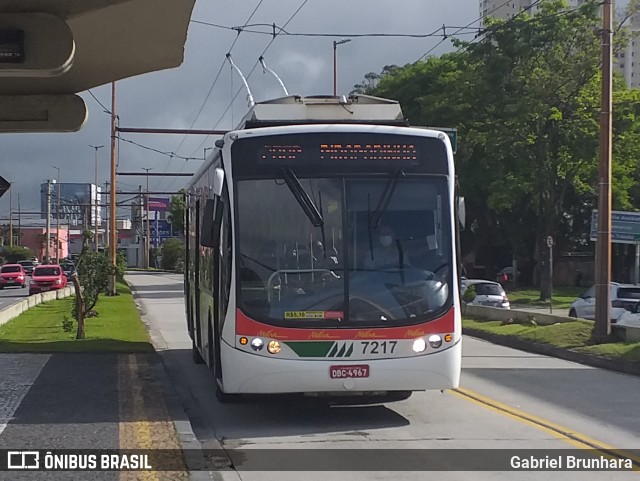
<point>12,275</point>
<point>67,269</point>
<point>47,277</point>
<point>488,293</point>
<point>624,297</point>
<point>28,266</point>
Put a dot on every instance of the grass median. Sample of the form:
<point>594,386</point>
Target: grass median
<point>574,336</point>
<point>563,297</point>
<point>116,328</point>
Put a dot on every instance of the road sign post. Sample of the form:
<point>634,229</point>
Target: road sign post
<point>550,246</point>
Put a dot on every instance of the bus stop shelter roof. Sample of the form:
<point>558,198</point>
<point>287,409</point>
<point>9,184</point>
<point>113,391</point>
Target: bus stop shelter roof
<point>111,40</point>
<point>114,39</point>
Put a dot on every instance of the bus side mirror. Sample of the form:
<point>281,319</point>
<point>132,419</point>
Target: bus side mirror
<point>218,182</point>
<point>207,237</point>
<point>462,211</point>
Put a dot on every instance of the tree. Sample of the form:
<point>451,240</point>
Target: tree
<point>172,254</point>
<point>525,101</point>
<point>90,279</point>
<point>14,254</point>
<point>176,212</point>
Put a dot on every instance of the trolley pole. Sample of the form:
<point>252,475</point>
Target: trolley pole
<point>602,327</point>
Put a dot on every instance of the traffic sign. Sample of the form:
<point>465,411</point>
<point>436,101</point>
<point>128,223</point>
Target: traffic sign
<point>625,227</point>
<point>549,241</point>
<point>4,186</point>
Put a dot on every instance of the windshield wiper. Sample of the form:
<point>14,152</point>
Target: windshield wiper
<point>303,199</point>
<point>385,198</point>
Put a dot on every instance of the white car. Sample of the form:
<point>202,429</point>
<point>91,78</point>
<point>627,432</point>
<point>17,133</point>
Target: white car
<point>488,293</point>
<point>624,298</point>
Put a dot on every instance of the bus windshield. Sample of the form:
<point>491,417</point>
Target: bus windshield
<point>380,257</point>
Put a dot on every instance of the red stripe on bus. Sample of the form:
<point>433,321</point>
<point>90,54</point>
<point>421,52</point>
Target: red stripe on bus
<point>248,327</point>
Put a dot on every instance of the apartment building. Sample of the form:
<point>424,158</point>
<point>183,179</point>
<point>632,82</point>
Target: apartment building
<point>625,62</point>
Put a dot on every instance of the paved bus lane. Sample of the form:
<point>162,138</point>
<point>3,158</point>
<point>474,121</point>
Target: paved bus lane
<point>508,400</point>
<point>74,402</point>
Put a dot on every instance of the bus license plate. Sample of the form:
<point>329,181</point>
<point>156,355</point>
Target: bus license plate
<point>344,372</point>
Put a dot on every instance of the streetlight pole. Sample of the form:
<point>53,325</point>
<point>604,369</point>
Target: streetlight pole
<point>10,214</point>
<point>48,228</point>
<point>57,214</point>
<point>95,221</point>
<point>148,230</point>
<point>335,64</point>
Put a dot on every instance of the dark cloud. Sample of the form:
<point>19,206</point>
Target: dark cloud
<point>171,99</point>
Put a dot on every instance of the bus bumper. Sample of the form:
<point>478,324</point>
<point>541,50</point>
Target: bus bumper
<point>245,373</point>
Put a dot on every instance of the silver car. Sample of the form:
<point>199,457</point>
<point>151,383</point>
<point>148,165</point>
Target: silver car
<point>488,293</point>
<point>624,297</point>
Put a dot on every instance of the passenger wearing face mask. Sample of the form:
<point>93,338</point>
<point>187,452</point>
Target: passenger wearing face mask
<point>386,251</point>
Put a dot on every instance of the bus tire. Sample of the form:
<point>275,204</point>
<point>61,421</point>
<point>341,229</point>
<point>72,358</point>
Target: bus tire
<point>195,354</point>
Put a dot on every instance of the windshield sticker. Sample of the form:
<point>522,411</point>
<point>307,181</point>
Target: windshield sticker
<point>314,315</point>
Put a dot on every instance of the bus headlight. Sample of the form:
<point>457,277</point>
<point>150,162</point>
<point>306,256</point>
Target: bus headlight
<point>435,341</point>
<point>274,347</point>
<point>257,344</point>
<point>419,345</point>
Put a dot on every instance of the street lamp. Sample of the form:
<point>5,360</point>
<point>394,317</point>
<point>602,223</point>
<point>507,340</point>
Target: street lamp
<point>57,214</point>
<point>10,214</point>
<point>148,230</point>
<point>335,80</point>
<point>95,235</point>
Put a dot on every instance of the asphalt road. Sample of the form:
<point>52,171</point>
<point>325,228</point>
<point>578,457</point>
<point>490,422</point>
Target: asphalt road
<point>508,399</point>
<point>11,295</point>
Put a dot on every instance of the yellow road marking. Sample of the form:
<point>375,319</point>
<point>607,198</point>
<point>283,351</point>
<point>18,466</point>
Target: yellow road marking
<point>133,434</point>
<point>579,440</point>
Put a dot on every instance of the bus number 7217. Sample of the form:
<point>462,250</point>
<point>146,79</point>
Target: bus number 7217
<point>378,347</point>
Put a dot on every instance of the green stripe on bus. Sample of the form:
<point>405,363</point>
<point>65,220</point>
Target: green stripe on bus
<point>310,348</point>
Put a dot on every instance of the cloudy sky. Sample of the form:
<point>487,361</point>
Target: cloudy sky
<point>205,83</point>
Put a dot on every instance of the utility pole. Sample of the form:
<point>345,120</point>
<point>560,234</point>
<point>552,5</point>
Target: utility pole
<point>19,221</point>
<point>58,214</point>
<point>96,210</point>
<point>147,245</point>
<point>602,327</point>
<point>335,64</point>
<point>48,233</point>
<point>112,200</point>
<point>10,215</point>
<point>139,218</point>
<point>106,220</point>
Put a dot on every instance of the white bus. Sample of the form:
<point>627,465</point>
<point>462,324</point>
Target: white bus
<point>321,253</point>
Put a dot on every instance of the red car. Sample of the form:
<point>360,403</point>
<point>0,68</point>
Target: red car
<point>12,275</point>
<point>46,278</point>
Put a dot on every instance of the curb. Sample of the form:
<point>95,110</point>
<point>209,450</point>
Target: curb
<point>626,367</point>
<point>14,310</point>
<point>199,468</point>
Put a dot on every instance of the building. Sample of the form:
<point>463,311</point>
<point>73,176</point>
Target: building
<point>624,62</point>
<point>34,238</point>
<point>505,11</point>
<point>79,203</point>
